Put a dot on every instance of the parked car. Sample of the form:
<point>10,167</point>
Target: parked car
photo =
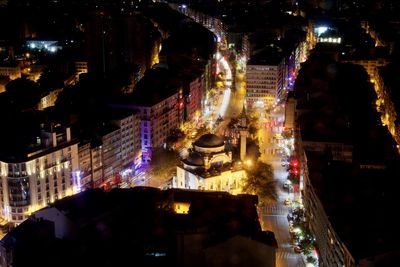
<point>297,249</point>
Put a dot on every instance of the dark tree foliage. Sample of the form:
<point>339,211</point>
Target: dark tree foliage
<point>163,164</point>
<point>23,93</point>
<point>260,180</point>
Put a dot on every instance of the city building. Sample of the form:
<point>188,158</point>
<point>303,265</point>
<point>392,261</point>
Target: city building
<point>3,82</point>
<point>81,67</point>
<point>159,101</point>
<point>210,167</point>
<point>265,79</point>
<point>101,161</point>
<point>332,250</point>
<point>49,98</point>
<point>40,176</point>
<point>343,152</point>
<point>385,86</point>
<point>12,70</point>
<point>155,227</point>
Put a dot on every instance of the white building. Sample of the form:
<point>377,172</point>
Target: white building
<point>209,167</point>
<point>32,180</point>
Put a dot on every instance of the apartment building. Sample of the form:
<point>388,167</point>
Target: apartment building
<point>386,84</point>
<point>264,81</point>
<point>157,121</point>
<point>42,175</point>
<point>193,93</point>
<point>158,97</point>
<point>115,149</point>
<point>11,70</point>
<point>81,67</point>
<point>332,251</point>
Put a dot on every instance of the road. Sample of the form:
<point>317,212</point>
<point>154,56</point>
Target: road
<point>274,216</point>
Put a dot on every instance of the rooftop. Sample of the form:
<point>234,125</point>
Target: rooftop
<point>155,86</point>
<point>139,222</point>
<point>209,140</point>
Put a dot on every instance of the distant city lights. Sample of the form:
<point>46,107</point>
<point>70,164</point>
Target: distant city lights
<point>50,46</point>
<point>321,29</point>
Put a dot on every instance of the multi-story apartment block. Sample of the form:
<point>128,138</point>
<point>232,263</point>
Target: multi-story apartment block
<point>333,252</point>
<point>370,65</point>
<point>157,122</point>
<point>81,67</point>
<point>117,148</point>
<point>13,71</point>
<point>110,137</point>
<point>193,90</point>
<point>158,98</point>
<point>386,83</point>
<point>49,99</point>
<point>129,124</point>
<point>42,175</point>
<point>264,81</point>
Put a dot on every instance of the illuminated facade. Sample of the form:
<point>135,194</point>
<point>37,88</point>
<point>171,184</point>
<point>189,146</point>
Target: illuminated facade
<point>332,251</point>
<point>117,149</point>
<point>11,71</point>
<point>157,122</point>
<point>49,99</point>
<point>194,99</point>
<point>209,167</point>
<point>263,84</point>
<point>81,67</point>
<point>39,177</point>
<point>385,86</point>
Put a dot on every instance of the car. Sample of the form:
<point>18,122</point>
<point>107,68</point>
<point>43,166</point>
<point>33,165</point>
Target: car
<point>286,184</point>
<point>287,201</point>
<point>297,249</point>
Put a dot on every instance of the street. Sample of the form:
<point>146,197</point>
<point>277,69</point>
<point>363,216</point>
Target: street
<point>274,216</point>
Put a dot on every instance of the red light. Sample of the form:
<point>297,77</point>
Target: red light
<point>294,163</point>
<point>180,104</point>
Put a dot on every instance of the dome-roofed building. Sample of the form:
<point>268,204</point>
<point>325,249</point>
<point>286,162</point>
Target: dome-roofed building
<point>194,159</point>
<point>209,167</point>
<point>209,141</point>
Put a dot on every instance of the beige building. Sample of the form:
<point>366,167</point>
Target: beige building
<point>31,181</point>
<point>13,71</point>
<point>49,99</point>
<point>118,148</point>
<point>264,83</point>
<point>386,88</point>
<point>81,67</point>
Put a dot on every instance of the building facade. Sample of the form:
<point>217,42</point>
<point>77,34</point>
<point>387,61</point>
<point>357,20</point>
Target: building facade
<point>157,122</point>
<point>11,71</point>
<point>263,84</point>
<point>210,167</point>
<point>41,177</point>
<point>332,251</point>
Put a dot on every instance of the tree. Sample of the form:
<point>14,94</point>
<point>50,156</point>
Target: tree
<point>175,136</point>
<point>163,164</point>
<point>23,93</point>
<point>260,181</point>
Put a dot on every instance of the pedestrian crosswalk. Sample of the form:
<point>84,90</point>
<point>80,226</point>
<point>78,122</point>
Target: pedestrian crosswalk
<point>274,209</point>
<point>285,253</point>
